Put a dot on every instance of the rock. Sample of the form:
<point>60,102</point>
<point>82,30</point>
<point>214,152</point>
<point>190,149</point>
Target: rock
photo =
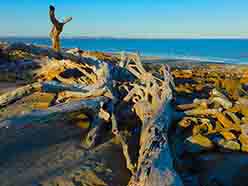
<point>225,144</point>
<point>187,121</point>
<point>224,102</point>
<point>244,142</point>
<point>218,126</point>
<point>199,129</point>
<point>243,103</point>
<point>198,143</point>
<point>229,145</point>
<point>228,135</point>
<point>244,129</point>
<point>225,121</point>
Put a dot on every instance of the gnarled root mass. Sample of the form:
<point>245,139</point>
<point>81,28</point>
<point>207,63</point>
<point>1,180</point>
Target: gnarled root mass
<point>98,89</point>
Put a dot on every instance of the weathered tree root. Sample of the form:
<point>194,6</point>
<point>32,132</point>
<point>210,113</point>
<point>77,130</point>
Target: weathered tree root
<point>155,163</point>
<point>85,85</point>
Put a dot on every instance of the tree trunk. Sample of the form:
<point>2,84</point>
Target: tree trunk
<point>155,163</point>
<point>55,42</point>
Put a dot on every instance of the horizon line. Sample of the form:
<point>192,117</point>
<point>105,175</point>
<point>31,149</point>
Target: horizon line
<point>116,37</point>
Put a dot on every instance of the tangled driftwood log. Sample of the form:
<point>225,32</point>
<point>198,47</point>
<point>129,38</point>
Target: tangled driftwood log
<point>99,89</point>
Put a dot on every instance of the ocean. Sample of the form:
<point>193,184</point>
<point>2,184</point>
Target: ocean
<point>209,50</point>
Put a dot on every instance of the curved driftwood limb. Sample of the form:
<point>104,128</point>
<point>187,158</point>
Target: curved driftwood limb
<point>96,132</point>
<point>49,70</point>
<point>135,66</point>
<point>19,93</point>
<point>94,135</point>
<point>123,142</point>
<point>137,90</point>
<point>80,95</point>
<point>67,20</point>
<point>90,107</point>
<point>57,28</point>
<point>105,76</point>
<point>56,87</point>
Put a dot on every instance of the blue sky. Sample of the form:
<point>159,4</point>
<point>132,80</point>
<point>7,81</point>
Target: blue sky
<point>128,18</point>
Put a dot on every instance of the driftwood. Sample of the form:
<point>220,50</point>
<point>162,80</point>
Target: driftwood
<point>48,64</point>
<point>19,93</point>
<point>108,94</point>
<point>57,29</point>
<point>155,163</point>
<point>60,111</point>
<point>123,142</point>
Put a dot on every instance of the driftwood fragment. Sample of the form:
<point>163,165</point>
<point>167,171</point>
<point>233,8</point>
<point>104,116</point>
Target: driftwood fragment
<point>90,107</point>
<point>80,95</point>
<point>123,142</point>
<point>93,137</point>
<point>19,93</point>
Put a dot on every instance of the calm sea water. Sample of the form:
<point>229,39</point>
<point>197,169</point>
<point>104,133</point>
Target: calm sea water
<point>219,50</point>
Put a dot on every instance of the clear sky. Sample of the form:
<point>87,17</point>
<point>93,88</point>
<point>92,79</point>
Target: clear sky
<point>128,18</point>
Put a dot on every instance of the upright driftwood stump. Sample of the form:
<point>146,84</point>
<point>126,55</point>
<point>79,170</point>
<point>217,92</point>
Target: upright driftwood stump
<point>57,29</point>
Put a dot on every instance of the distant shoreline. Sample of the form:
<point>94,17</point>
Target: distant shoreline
<point>131,38</point>
<point>222,51</point>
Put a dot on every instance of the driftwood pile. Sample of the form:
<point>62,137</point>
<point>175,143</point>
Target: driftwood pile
<point>119,95</point>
